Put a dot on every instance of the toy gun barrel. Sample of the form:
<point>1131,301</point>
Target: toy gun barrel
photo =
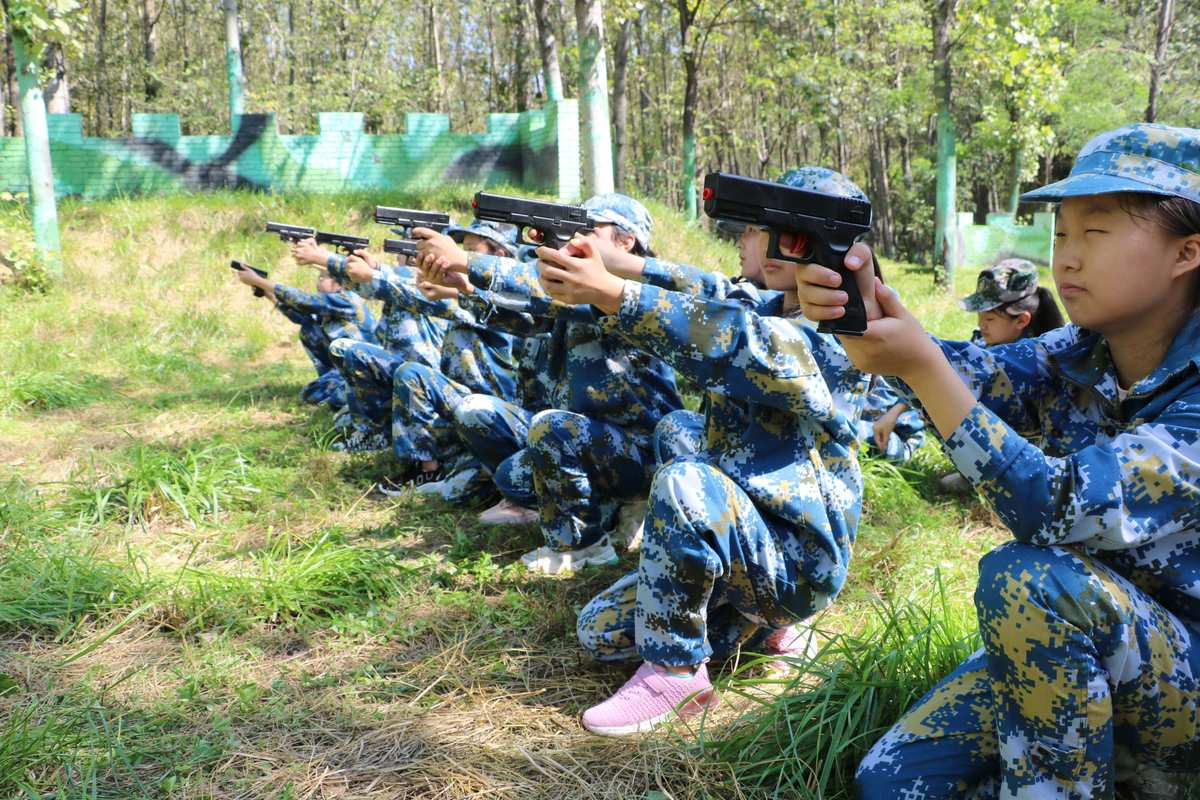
<point>405,219</point>
<point>402,247</point>
<point>290,233</point>
<point>237,266</point>
<point>343,241</point>
<point>552,224</point>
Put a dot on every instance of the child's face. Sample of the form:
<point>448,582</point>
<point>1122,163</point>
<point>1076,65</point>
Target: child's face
<point>752,252</point>
<point>476,244</point>
<point>999,327</point>
<point>777,275</point>
<point>1114,272</point>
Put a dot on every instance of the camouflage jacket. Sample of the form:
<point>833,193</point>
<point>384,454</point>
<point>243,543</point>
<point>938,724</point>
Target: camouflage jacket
<point>586,368</point>
<point>409,334</point>
<point>782,401</point>
<point>340,315</point>
<point>1119,478</point>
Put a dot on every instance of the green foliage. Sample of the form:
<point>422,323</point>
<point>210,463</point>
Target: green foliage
<point>808,742</point>
<point>196,482</point>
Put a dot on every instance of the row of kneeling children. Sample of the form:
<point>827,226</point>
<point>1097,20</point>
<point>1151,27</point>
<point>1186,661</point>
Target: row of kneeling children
<point>547,378</point>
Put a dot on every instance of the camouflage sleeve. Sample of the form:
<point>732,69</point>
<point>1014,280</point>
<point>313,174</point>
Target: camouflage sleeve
<point>292,314</point>
<point>325,305</point>
<point>1120,493</point>
<point>488,312</point>
<point>725,347</point>
<point>398,286</point>
<point>1009,380</point>
<point>516,286</point>
<point>687,279</point>
<point>335,265</point>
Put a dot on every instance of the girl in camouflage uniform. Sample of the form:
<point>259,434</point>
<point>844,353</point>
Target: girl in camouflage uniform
<point>1090,617</point>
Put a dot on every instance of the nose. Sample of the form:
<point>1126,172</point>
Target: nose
<point>1066,256</point>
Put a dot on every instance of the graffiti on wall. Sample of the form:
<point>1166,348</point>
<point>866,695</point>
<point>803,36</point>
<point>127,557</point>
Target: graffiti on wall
<point>537,150</point>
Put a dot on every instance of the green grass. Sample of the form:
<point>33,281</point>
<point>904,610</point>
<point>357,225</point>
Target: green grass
<point>808,742</point>
<point>199,599</point>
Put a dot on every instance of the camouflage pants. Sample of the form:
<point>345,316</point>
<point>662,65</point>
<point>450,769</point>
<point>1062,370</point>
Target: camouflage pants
<point>713,575</point>
<point>316,347</point>
<point>423,406</point>
<point>368,369</point>
<point>583,470</point>
<point>330,388</point>
<point>899,450</point>
<point>496,432</point>
<point>1082,676</point>
<point>424,429</point>
<point>679,433</point>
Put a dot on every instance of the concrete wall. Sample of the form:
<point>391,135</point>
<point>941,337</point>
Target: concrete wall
<point>536,150</point>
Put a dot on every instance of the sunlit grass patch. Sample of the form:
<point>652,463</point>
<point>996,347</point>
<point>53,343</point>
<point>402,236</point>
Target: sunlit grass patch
<point>194,482</point>
<point>45,391</point>
<point>808,742</point>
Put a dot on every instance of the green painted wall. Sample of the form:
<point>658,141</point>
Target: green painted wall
<point>537,150</point>
<point>1001,238</point>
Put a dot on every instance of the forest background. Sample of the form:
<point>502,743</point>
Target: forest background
<point>748,86</point>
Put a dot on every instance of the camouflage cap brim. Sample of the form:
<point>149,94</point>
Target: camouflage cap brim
<point>1087,184</point>
<point>979,303</point>
<point>731,227</point>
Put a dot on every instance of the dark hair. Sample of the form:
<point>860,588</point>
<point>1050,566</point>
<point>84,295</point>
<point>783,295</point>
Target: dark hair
<point>644,252</point>
<point>1175,216</point>
<point>1044,314</point>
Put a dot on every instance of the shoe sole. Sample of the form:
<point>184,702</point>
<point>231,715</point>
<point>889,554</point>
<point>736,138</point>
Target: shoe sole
<point>693,706</point>
<point>574,566</point>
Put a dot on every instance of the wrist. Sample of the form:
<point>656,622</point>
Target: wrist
<point>609,293</point>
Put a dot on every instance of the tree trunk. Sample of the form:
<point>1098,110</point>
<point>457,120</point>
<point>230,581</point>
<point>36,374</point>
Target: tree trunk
<point>1160,55</point>
<point>57,91</point>
<point>691,85</point>
<point>435,51</point>
<point>593,93</point>
<point>100,104</point>
<point>233,62</point>
<point>15,126</point>
<point>621,102</point>
<point>37,156</point>
<point>520,76</point>
<point>945,240</point>
<point>548,46</point>
<point>149,18</point>
<point>882,193</point>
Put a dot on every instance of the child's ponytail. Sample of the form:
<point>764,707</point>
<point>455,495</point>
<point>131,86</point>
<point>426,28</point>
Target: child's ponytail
<point>1047,316</point>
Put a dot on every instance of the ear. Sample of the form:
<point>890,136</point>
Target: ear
<point>1022,320</point>
<point>625,241</point>
<point>1187,257</point>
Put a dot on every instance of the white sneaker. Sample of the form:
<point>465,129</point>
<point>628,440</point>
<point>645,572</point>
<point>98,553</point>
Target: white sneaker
<point>507,512</point>
<point>955,483</point>
<point>553,562</point>
<point>631,519</point>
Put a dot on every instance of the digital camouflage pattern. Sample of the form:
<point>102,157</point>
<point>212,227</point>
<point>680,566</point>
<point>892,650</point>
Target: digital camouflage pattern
<point>1145,157</point>
<point>324,317</point>
<point>590,373</point>
<point>761,519</point>
<point>679,433</point>
<point>909,432</point>
<point>623,211</point>
<point>1095,608</point>
<point>1011,280</point>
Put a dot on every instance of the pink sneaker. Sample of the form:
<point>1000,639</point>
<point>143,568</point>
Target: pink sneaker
<point>648,699</point>
<point>794,645</point>
<point>508,513</point>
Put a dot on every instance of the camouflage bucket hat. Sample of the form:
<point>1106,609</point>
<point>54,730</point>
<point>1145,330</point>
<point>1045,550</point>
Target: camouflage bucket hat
<point>623,211</point>
<point>1146,157</point>
<point>1011,280</point>
<point>502,235</point>
<point>820,179</point>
